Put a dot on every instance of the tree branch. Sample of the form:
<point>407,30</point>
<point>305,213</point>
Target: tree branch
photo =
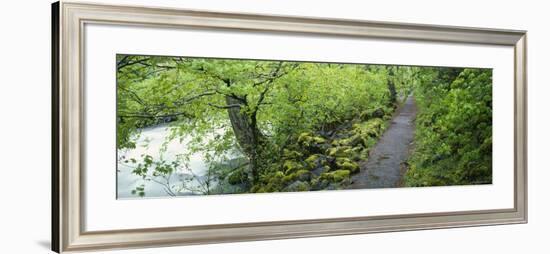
<point>121,64</point>
<point>149,116</point>
<point>226,106</point>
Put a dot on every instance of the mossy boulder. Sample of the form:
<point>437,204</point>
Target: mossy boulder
<point>316,160</point>
<point>340,160</point>
<point>302,175</point>
<point>347,164</point>
<point>319,140</point>
<point>291,166</point>
<point>304,137</point>
<point>308,139</point>
<point>312,143</point>
<point>351,166</point>
<point>313,160</point>
<point>370,128</point>
<point>353,140</point>
<point>292,154</point>
<point>298,186</point>
<point>339,151</point>
<point>336,176</point>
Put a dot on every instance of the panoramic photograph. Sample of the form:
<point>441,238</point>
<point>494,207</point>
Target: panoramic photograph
<point>211,126</point>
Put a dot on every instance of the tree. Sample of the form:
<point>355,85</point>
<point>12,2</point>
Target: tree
<point>391,85</point>
<point>211,86</point>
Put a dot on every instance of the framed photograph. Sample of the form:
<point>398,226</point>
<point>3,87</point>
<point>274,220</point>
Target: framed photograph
<point>175,127</point>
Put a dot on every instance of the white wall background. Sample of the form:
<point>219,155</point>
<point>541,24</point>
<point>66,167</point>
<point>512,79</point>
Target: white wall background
<point>25,125</point>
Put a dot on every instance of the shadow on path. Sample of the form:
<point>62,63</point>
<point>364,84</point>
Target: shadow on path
<point>383,168</point>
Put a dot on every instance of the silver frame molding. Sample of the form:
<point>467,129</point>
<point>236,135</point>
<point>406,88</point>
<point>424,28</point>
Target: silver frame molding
<point>68,21</point>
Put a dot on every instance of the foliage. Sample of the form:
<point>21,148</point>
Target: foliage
<point>453,129</point>
<point>270,126</point>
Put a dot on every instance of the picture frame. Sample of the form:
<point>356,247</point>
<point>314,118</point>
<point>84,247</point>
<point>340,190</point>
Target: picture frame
<point>68,133</point>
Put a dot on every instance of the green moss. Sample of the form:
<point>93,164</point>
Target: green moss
<point>340,151</point>
<point>355,140</point>
<point>370,128</point>
<point>303,175</point>
<point>278,174</point>
<point>347,164</point>
<point>351,166</point>
<point>314,181</point>
<point>291,166</point>
<point>276,179</point>
<point>304,137</point>
<point>364,154</point>
<point>332,151</point>
<point>308,139</point>
<point>289,178</point>
<point>291,154</point>
<point>298,186</point>
<point>340,160</point>
<point>319,140</point>
<point>336,176</point>
<point>356,153</point>
<point>340,175</point>
<point>312,160</point>
<point>348,152</point>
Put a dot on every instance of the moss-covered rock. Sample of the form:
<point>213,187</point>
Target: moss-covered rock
<point>356,153</point>
<point>319,140</point>
<point>303,175</point>
<point>351,166</point>
<point>289,178</point>
<point>298,186</point>
<point>304,137</point>
<point>292,154</point>
<point>339,151</point>
<point>336,176</point>
<point>308,137</point>
<point>340,160</point>
<point>369,129</point>
<point>311,143</point>
<point>291,166</point>
<point>347,164</point>
<point>353,140</point>
<point>313,160</point>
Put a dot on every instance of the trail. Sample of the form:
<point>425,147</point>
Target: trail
<point>384,166</point>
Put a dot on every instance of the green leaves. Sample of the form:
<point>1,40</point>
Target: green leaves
<point>139,190</point>
<point>454,128</point>
<point>280,100</point>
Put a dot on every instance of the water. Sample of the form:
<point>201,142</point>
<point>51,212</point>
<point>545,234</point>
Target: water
<point>150,142</point>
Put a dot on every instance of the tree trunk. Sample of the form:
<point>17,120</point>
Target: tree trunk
<point>248,135</point>
<point>391,87</point>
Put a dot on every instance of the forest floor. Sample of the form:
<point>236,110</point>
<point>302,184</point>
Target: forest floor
<point>385,166</point>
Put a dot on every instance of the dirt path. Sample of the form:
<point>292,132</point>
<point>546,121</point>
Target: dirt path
<point>383,169</point>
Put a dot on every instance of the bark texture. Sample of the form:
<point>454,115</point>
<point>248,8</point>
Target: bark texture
<point>248,136</point>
